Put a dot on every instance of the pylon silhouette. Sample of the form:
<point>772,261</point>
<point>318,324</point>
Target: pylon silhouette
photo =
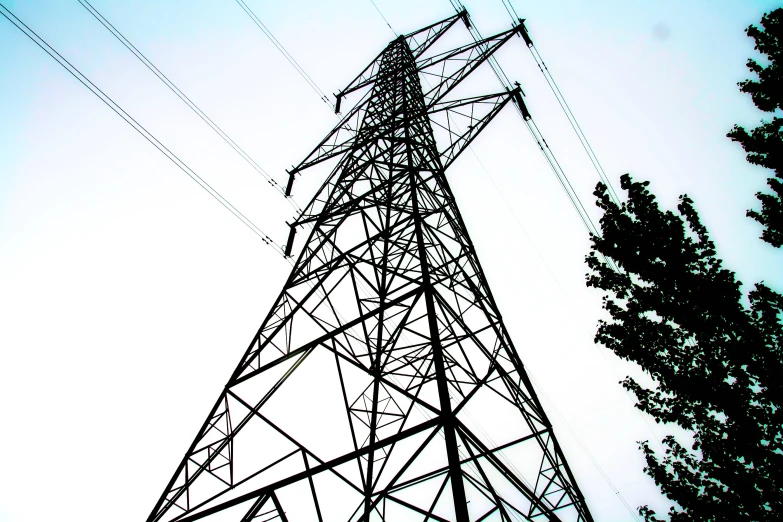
<point>383,385</point>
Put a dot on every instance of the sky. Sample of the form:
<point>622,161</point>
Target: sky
<point>127,294</point>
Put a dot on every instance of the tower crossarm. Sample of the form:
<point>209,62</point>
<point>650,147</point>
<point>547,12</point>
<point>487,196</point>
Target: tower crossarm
<point>459,122</point>
<point>336,142</point>
<point>421,40</point>
<point>449,68</point>
<point>444,71</point>
<point>418,42</point>
<point>456,123</point>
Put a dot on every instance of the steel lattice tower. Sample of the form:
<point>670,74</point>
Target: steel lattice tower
<point>383,385</point>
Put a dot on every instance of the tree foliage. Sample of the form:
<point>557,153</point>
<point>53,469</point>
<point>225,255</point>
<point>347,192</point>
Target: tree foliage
<point>716,364</point>
<point>764,144</point>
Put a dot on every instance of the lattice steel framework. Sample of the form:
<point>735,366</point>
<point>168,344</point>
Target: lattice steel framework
<point>383,385</point>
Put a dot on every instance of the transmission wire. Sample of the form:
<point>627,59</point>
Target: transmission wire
<point>508,5</point>
<point>384,18</point>
<point>507,10</point>
<point>285,53</point>
<point>501,75</point>
<point>554,164</point>
<point>550,80</point>
<point>579,441</point>
<point>601,173</point>
<point>76,73</point>
<point>581,211</point>
<point>574,123</point>
<point>590,153</point>
<point>181,95</point>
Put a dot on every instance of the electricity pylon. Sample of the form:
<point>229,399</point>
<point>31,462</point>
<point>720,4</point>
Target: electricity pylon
<point>383,385</point>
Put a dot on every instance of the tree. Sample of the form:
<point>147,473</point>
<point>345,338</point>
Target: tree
<point>716,364</point>
<point>764,144</point>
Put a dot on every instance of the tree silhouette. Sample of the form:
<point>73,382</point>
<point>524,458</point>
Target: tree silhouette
<point>716,364</point>
<point>764,144</point>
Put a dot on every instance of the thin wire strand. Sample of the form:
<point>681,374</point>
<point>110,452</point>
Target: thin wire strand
<point>584,448</point>
<point>76,73</point>
<point>285,53</point>
<point>512,12</point>
<point>550,80</point>
<point>524,231</point>
<point>508,11</point>
<point>501,75</point>
<point>573,122</point>
<point>584,217</point>
<point>562,290</point>
<point>602,174</point>
<point>599,169</point>
<point>384,18</point>
<point>182,96</point>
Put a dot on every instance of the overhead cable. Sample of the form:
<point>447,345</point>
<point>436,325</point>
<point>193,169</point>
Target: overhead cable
<point>550,80</point>
<point>561,176</point>
<point>551,159</point>
<point>576,202</point>
<point>538,137</point>
<point>285,53</point>
<point>477,36</point>
<point>572,120</point>
<point>604,178</point>
<point>535,132</point>
<point>508,5</point>
<point>384,18</point>
<point>584,448</point>
<point>565,183</point>
<point>76,73</point>
<point>582,138</point>
<point>181,95</point>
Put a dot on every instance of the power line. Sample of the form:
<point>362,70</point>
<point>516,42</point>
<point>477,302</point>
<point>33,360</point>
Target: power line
<point>550,80</point>
<point>285,53</point>
<point>384,18</point>
<point>493,63</point>
<point>578,207</point>
<point>565,183</point>
<point>549,155</point>
<point>508,5</point>
<point>76,73</point>
<point>551,158</point>
<point>547,152</point>
<point>181,95</point>
<point>584,448</point>
<point>573,121</point>
<point>535,132</point>
<point>591,155</point>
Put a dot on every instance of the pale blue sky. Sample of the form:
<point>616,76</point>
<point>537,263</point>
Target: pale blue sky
<point>127,294</point>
